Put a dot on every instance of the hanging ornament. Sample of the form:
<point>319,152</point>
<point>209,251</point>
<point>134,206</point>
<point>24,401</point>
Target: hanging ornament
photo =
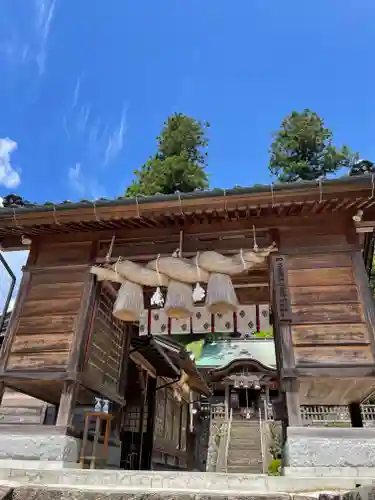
<point>157,299</point>
<point>198,292</point>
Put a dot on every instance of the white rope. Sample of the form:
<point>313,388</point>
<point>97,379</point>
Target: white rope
<point>225,201</point>
<point>320,191</point>
<point>180,200</point>
<point>372,185</point>
<point>95,212</point>
<point>55,216</point>
<point>242,259</point>
<point>15,218</point>
<point>198,268</point>
<point>136,201</point>
<point>109,253</point>
<point>157,269</point>
<point>256,248</point>
<point>272,196</point>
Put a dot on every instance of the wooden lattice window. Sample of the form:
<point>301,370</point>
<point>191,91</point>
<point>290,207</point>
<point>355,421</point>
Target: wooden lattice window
<point>106,347</point>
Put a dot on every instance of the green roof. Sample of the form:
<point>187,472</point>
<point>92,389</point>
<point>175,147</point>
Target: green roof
<point>221,353</point>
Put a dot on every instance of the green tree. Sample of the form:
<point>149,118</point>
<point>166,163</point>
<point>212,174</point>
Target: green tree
<point>362,167</point>
<point>302,149</point>
<point>179,163</point>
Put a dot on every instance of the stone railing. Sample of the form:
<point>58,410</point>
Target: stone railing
<point>335,416</point>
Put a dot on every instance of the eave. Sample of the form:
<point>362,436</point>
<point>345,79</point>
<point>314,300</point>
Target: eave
<point>280,200</point>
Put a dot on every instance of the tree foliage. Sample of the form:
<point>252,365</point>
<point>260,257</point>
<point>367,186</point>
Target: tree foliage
<point>362,167</point>
<point>179,163</point>
<point>302,149</point>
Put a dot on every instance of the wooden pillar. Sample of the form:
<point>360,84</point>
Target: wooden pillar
<point>149,437</point>
<point>67,404</point>
<point>292,402</point>
<point>226,401</point>
<point>355,414</point>
<point>2,390</point>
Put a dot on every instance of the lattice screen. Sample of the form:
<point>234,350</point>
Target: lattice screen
<point>107,341</point>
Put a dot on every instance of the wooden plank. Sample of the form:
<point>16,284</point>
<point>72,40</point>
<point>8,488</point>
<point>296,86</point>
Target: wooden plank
<point>38,361</point>
<point>319,261</point>
<point>280,277</point>
<point>64,253</point>
<point>41,343</point>
<point>54,324</point>
<point>330,334</point>
<point>62,274</point>
<point>57,290</point>
<point>326,313</point>
<point>332,354</point>
<point>321,277</point>
<point>47,306</point>
<point>365,293</point>
<point>323,294</point>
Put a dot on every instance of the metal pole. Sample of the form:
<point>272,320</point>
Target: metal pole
<point>10,292</point>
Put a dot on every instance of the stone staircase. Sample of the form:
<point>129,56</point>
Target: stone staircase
<point>245,449</point>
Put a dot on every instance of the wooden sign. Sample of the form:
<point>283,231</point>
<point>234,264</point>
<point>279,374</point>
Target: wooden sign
<point>282,289</point>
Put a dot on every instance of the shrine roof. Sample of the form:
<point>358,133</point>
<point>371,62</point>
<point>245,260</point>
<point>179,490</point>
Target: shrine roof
<point>342,194</point>
<point>222,353</point>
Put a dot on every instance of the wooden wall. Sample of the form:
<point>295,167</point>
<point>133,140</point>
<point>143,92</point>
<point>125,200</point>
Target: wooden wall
<point>328,323</point>
<point>324,314</point>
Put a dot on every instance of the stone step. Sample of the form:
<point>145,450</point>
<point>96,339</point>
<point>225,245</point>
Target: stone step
<point>76,483</point>
<point>244,455</point>
<point>244,469</point>
<point>56,494</point>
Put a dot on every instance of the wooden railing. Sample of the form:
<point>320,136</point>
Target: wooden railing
<point>335,416</point>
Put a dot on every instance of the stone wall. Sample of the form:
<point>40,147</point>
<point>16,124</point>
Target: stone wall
<point>330,447</point>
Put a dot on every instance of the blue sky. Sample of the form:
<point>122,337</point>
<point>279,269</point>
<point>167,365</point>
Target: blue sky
<point>86,85</point>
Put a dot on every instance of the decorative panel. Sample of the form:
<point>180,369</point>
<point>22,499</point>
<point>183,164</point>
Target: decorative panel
<point>264,317</point>
<point>159,321</point>
<point>201,320</point>
<point>224,323</point>
<point>247,319</point>
<point>180,326</point>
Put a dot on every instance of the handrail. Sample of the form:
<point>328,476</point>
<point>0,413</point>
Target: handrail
<point>229,428</point>
<point>261,441</point>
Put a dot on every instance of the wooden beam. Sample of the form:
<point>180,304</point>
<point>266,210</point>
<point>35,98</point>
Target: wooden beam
<point>67,403</point>
<point>14,319</point>
<point>365,295</point>
<point>82,326</point>
<point>291,387</point>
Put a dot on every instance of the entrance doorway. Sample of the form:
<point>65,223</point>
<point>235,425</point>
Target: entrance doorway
<point>245,403</point>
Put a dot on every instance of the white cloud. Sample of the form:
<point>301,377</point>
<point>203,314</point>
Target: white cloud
<point>44,15</point>
<point>26,34</point>
<point>8,176</point>
<point>15,260</point>
<point>116,138</point>
<point>76,179</point>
